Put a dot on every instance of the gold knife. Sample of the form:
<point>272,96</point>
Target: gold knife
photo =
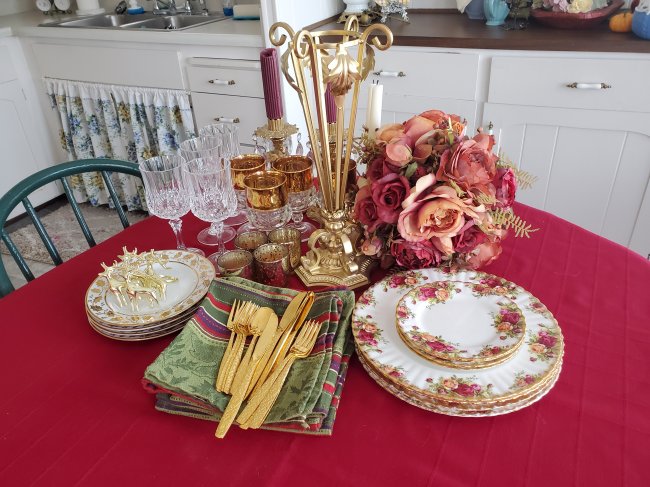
<point>265,341</point>
<point>288,333</point>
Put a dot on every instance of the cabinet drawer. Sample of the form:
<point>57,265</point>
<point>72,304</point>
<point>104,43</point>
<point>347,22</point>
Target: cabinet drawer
<point>225,77</point>
<point>427,74</point>
<point>248,112</point>
<point>571,83</point>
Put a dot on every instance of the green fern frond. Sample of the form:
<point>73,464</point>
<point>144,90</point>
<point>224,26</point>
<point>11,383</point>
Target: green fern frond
<point>507,219</point>
<point>485,199</point>
<point>525,180</point>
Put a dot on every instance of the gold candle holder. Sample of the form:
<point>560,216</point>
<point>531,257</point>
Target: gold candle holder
<point>277,131</point>
<point>311,61</point>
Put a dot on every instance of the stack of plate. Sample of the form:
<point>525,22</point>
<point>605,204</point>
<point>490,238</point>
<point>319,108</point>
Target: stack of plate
<point>463,344</point>
<point>108,317</point>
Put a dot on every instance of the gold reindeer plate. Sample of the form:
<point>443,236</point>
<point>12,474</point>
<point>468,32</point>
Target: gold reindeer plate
<point>113,301</point>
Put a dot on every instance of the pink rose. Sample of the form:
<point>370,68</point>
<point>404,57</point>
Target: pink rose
<point>506,187</point>
<point>435,212</point>
<point>466,390</point>
<point>365,210</point>
<point>398,151</point>
<point>366,337</point>
<point>372,246</point>
<point>422,152</point>
<point>484,254</point>
<point>437,346</point>
<point>428,292</point>
<point>546,340</point>
<point>470,163</point>
<point>511,317</point>
<point>469,237</point>
<point>388,194</point>
<point>397,280</point>
<point>417,126</point>
<point>415,255</point>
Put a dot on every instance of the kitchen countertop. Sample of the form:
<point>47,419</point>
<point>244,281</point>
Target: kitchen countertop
<point>240,33</point>
<point>447,29</point>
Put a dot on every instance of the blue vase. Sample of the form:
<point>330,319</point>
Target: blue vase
<point>496,11</point>
<point>641,24</point>
<point>474,10</point>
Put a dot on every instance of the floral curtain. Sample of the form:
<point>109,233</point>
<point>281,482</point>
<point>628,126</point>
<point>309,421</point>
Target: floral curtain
<point>117,122</point>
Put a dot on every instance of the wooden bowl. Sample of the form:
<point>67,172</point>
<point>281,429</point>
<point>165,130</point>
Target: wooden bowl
<point>565,20</point>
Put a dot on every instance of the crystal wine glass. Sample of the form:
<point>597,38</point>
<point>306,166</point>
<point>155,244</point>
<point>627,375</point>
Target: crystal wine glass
<point>212,197</point>
<point>229,134</point>
<point>208,147</point>
<point>166,194</point>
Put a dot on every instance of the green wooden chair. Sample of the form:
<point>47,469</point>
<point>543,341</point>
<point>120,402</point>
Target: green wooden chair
<point>19,194</point>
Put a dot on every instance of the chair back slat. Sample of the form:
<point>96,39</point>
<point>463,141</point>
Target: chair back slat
<point>116,200</point>
<point>20,192</point>
<point>77,213</point>
<point>45,237</point>
<point>5,284</point>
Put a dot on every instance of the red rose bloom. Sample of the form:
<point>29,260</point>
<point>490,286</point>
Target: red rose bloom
<point>415,255</point>
<point>506,187</point>
<point>469,238</point>
<point>511,317</point>
<point>547,340</point>
<point>465,390</point>
<point>388,193</point>
<point>365,210</point>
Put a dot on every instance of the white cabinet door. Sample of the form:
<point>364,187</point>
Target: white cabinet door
<point>593,166</point>
<point>18,159</point>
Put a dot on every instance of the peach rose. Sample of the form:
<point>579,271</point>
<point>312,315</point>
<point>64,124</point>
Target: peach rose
<point>538,348</point>
<point>450,384</point>
<point>418,126</point>
<point>369,327</point>
<point>372,246</point>
<point>442,294</point>
<point>484,254</point>
<point>435,212</point>
<point>389,132</point>
<point>398,151</point>
<point>504,327</point>
<point>471,164</point>
<point>427,337</point>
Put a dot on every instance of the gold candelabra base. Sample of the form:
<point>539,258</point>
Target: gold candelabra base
<point>333,258</point>
<point>277,131</point>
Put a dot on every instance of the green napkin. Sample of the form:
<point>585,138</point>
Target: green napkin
<point>188,366</point>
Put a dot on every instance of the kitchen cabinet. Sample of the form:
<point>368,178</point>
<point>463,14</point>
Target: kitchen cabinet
<point>582,126</point>
<point>20,138</point>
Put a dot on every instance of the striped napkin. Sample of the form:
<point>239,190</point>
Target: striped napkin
<point>183,375</point>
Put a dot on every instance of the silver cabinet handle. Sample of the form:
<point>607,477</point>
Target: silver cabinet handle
<point>589,86</point>
<point>390,74</point>
<point>222,82</point>
<point>227,120</point>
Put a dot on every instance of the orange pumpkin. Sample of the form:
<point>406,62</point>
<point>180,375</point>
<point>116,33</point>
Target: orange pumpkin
<point>621,22</point>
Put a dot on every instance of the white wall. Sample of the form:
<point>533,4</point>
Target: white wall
<point>8,7</point>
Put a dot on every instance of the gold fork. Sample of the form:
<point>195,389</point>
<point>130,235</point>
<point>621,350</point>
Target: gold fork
<point>242,329</point>
<point>243,312</point>
<point>262,400</point>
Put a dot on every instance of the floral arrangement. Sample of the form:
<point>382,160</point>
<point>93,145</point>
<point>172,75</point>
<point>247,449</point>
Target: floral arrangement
<point>432,196</point>
<point>570,6</point>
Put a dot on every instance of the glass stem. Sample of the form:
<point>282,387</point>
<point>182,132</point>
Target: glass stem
<point>176,225</point>
<point>216,229</point>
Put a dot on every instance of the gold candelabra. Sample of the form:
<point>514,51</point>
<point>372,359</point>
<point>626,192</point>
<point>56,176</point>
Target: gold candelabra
<point>324,56</point>
<point>277,131</point>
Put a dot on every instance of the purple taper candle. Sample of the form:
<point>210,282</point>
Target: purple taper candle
<point>271,83</point>
<point>330,105</point>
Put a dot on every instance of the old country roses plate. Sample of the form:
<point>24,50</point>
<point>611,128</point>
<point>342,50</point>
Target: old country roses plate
<point>505,387</point>
<point>458,324</point>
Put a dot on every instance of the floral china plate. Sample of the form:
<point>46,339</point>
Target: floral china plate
<point>532,365</point>
<point>452,323</point>
<point>193,275</point>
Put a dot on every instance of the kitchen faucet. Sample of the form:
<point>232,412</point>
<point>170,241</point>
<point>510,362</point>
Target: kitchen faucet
<point>168,7</point>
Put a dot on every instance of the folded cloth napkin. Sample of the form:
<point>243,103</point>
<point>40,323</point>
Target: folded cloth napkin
<point>183,375</point>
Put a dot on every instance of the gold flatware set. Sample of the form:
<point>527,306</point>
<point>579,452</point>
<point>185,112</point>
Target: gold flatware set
<point>273,348</point>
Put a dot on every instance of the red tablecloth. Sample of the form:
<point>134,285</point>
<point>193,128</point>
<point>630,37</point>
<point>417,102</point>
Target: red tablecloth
<point>72,410</point>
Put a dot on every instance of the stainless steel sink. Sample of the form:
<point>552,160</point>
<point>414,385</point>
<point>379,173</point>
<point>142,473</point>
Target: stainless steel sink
<point>172,22</point>
<point>146,21</point>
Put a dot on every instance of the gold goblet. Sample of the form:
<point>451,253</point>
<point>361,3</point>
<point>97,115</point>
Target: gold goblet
<point>240,167</point>
<point>267,200</point>
<point>300,184</point>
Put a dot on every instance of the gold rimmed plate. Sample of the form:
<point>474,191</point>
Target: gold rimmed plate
<point>193,274</point>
